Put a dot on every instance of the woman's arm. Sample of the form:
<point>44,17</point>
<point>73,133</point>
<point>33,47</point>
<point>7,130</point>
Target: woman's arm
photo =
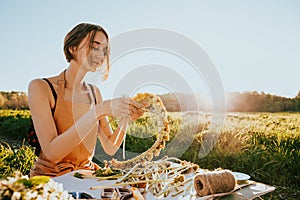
<point>54,147</point>
<point>111,141</point>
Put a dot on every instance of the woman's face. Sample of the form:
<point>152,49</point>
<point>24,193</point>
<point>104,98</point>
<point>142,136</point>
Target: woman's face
<point>94,56</point>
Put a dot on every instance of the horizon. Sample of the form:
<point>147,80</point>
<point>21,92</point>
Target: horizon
<point>226,93</point>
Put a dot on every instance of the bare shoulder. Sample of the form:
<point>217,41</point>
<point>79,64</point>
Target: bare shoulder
<point>40,84</point>
<point>38,89</point>
<point>36,84</point>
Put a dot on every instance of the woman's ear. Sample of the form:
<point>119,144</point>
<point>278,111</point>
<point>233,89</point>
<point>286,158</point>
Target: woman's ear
<point>73,50</point>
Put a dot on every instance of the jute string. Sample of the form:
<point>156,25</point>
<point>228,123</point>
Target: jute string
<point>213,182</point>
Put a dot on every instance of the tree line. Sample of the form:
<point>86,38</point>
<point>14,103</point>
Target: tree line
<point>13,100</point>
<point>261,102</point>
<point>235,102</point>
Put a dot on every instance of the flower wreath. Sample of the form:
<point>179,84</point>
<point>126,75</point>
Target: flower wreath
<point>157,107</point>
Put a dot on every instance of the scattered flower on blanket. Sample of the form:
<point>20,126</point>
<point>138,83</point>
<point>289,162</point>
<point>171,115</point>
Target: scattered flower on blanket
<point>35,188</point>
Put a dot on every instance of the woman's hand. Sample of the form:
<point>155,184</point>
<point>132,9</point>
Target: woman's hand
<point>140,111</point>
<point>123,107</point>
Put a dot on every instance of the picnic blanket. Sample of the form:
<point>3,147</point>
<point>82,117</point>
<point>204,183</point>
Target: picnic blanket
<point>247,190</point>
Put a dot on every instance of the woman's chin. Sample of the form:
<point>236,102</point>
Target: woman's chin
<point>93,67</point>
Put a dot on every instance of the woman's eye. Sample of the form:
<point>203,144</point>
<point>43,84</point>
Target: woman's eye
<point>96,47</point>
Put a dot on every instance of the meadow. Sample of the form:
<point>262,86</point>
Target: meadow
<point>264,145</point>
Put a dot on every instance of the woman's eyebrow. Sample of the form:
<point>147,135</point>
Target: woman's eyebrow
<point>96,42</point>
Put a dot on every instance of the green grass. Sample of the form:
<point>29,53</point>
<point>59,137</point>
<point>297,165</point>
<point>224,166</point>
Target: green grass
<point>14,124</point>
<point>18,158</point>
<point>264,145</point>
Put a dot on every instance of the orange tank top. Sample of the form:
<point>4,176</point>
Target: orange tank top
<point>65,115</point>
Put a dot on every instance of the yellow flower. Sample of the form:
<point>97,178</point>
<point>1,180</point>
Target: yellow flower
<point>36,180</point>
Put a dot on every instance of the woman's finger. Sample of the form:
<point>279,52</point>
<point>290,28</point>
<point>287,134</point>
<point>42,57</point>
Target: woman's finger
<point>126,112</point>
<point>135,104</point>
<point>132,108</point>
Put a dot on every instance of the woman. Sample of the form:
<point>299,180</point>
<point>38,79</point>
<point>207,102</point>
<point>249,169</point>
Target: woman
<point>69,114</point>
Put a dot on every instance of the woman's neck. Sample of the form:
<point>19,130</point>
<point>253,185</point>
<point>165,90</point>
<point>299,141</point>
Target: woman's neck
<point>74,76</point>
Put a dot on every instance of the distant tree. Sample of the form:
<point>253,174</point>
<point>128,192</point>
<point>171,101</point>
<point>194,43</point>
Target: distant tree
<point>297,102</point>
<point>2,100</point>
<point>298,95</point>
<point>260,102</point>
<point>22,101</point>
<point>13,100</point>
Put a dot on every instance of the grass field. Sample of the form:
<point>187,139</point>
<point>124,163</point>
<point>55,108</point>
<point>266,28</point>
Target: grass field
<point>264,145</point>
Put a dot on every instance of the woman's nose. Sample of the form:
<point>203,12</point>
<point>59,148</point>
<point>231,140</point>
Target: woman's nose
<point>100,55</point>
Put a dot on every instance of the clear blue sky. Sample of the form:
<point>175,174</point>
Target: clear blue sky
<point>254,44</point>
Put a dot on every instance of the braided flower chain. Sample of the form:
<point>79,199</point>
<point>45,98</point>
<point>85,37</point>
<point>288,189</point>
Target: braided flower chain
<point>157,107</point>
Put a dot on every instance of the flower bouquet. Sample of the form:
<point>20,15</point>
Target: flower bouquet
<point>38,187</point>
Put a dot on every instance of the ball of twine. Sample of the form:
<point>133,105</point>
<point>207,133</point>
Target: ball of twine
<point>213,182</point>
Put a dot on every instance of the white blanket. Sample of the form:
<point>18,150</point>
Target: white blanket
<point>73,184</point>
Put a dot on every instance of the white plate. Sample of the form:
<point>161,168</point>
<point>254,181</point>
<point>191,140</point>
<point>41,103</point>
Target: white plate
<point>241,176</point>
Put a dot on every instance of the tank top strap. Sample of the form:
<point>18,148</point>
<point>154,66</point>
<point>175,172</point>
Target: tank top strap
<point>93,93</point>
<point>53,93</point>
